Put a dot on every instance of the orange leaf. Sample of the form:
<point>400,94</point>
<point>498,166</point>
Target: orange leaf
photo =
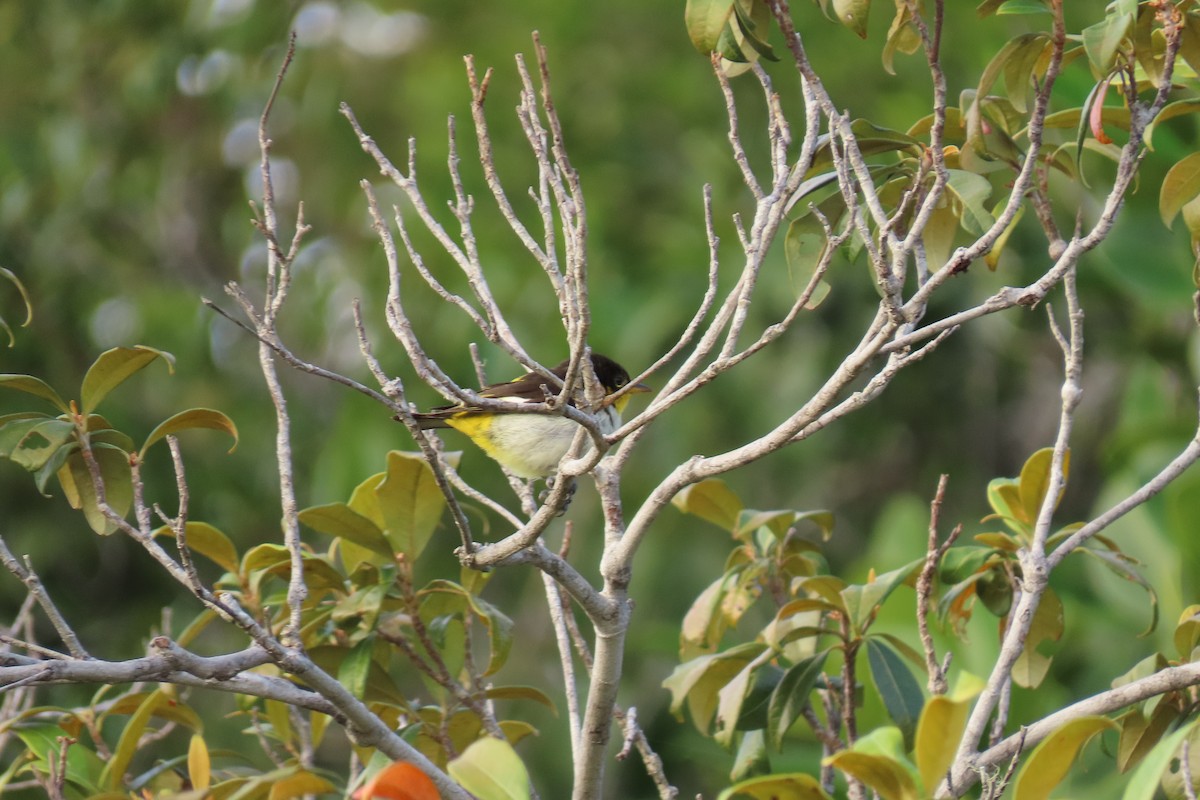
<point>1096,117</point>
<point>399,781</point>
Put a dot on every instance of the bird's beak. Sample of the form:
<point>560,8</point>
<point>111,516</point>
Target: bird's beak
<point>619,399</point>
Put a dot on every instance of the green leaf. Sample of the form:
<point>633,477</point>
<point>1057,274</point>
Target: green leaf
<point>36,387</point>
<point>491,770</point>
<point>1050,761</point>
<point>790,697</point>
<point>1034,481</point>
<point>902,37</point>
<point>697,682</point>
<point>192,418</point>
<point>853,14</point>
<point>992,258</point>
<point>795,786</point>
<point>352,672</point>
<point>1139,735</point>
<point>80,491</point>
<point>938,731</point>
<point>753,23</point>
<point>1143,781</point>
<point>33,441</point>
<point>1022,68</point>
<point>1180,185</point>
<point>877,760</point>
<point>1121,565</point>
<point>15,281</point>
<point>711,500</point>
<point>899,690</point>
<point>871,139</point>
<point>341,521</point>
<point>442,597</point>
<point>751,758</point>
<point>731,700</point>
<point>970,192</point>
<point>411,503</point>
<point>1187,631</point>
<point>862,600</point>
<point>1102,40</point>
<point>209,542</point>
<point>113,368</point>
<point>1031,666</point>
<point>84,767</point>
<point>113,776</point>
<point>705,20</point>
<point>1170,111</point>
<point>302,783</point>
<point>521,693</point>
<point>1013,51</point>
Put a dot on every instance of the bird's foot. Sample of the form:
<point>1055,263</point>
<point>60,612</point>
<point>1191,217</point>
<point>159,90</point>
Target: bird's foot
<point>544,495</point>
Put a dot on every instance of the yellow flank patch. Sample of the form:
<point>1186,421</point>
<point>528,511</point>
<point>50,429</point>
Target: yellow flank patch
<point>474,425</point>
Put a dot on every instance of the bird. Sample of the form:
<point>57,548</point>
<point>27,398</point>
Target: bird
<point>531,445</point>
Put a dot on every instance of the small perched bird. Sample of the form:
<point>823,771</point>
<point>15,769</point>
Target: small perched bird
<point>531,445</point>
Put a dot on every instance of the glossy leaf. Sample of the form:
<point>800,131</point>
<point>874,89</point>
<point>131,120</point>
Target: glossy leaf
<point>899,690</point>
<point>1139,735</point>
<point>398,781</point>
<point>970,192</point>
<point>113,776</point>
<point>80,491</point>
<point>188,420</point>
<point>1047,626</point>
<point>790,697</point>
<point>1180,185</point>
<point>780,521</point>
<point>1187,632</point>
<point>704,624</point>
<point>877,760</point>
<point>521,693</point>
<point>33,441</point>
<point>861,601</point>
<point>441,597</point>
<point>1143,781</point>
<point>697,682</point>
<point>341,521</point>
<point>84,767</point>
<point>751,758</point>
<point>1102,40</point>
<point>410,501</point>
<point>941,725</point>
<point>198,763</point>
<point>795,786</point>
<point>36,387</point>
<point>1034,482</point>
<point>1050,761</point>
<point>732,702</point>
<point>711,500</point>
<point>209,542</point>
<point>853,14</point>
<point>11,277</point>
<point>352,672</point>
<point>491,770</point>
<point>302,783</point>
<point>113,368</point>
<point>992,258</point>
<point>1169,112</point>
<point>1121,565</point>
<point>705,20</point>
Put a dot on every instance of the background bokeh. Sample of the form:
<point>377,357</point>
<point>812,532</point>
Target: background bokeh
<point>128,156</point>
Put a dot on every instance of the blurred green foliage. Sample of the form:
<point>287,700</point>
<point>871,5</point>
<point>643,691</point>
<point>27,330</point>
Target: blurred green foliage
<point>128,155</point>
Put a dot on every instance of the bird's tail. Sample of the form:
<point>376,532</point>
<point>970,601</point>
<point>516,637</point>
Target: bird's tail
<point>432,419</point>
